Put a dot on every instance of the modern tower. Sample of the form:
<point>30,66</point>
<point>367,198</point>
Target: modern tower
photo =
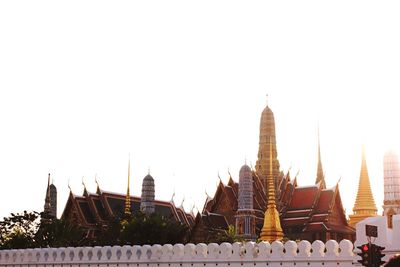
<point>364,206</point>
<point>391,176</point>
<point>267,158</point>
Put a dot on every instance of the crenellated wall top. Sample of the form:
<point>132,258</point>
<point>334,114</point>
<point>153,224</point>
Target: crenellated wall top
<point>225,252</point>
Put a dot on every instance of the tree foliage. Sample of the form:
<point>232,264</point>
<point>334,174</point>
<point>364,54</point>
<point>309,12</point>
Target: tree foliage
<point>18,230</point>
<point>228,235</point>
<point>35,230</point>
<point>141,229</point>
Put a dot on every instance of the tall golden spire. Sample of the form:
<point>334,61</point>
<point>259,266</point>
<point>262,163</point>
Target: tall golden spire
<point>128,195</point>
<point>272,229</point>
<point>267,138</point>
<point>320,172</point>
<point>364,206</point>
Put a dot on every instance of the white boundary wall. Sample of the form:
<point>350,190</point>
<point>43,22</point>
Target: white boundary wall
<point>201,255</point>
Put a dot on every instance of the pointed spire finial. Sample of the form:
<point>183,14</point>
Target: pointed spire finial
<point>47,200</point>
<point>320,172</point>
<point>128,194</point>
<point>267,100</point>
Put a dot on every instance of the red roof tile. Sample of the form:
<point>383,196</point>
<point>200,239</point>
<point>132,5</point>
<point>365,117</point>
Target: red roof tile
<point>325,200</point>
<point>303,198</point>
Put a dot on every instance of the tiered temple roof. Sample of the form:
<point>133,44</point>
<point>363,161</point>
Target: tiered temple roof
<point>92,209</point>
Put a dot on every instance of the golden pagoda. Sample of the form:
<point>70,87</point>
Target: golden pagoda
<point>364,206</point>
<point>267,157</point>
<point>272,229</point>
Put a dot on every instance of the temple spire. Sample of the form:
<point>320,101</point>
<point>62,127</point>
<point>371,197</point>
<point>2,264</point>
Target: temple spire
<point>272,229</point>
<point>47,202</point>
<point>128,195</point>
<point>267,156</point>
<point>320,172</point>
<point>364,205</point>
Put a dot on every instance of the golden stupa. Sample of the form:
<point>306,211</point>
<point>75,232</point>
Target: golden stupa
<point>272,229</point>
<point>364,206</point>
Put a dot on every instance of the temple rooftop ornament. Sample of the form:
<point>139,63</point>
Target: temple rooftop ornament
<point>320,172</point>
<point>128,195</point>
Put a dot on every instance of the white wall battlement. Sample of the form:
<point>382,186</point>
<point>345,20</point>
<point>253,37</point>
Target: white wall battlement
<point>237,254</point>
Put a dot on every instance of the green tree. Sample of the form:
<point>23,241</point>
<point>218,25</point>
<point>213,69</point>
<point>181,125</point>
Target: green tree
<point>141,229</point>
<point>53,232</point>
<point>228,235</point>
<point>18,231</point>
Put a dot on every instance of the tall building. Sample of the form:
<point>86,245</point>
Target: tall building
<point>307,212</point>
<point>50,203</point>
<point>364,205</point>
<point>391,176</point>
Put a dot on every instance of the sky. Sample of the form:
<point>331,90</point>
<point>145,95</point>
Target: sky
<point>180,87</point>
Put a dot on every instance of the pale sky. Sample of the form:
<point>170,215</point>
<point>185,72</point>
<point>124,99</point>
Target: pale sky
<point>180,85</point>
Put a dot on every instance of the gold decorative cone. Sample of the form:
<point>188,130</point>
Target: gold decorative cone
<point>272,229</point>
<point>364,206</point>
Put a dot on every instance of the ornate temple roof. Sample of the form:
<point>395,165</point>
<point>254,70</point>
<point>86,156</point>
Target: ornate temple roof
<point>95,208</point>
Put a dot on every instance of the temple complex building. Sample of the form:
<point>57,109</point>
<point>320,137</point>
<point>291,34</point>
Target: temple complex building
<point>93,209</point>
<point>391,176</point>
<point>308,212</point>
<point>364,205</point>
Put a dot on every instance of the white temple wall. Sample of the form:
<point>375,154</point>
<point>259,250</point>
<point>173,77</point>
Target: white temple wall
<point>201,255</point>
